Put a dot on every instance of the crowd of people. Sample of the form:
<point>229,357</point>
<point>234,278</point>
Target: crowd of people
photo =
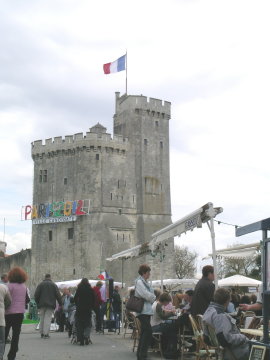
<point>161,312</point>
<point>220,309</point>
<point>72,312</point>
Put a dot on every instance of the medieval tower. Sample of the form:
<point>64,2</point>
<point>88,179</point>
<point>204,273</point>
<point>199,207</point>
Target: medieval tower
<point>95,195</point>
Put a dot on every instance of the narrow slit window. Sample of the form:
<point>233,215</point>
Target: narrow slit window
<point>50,235</point>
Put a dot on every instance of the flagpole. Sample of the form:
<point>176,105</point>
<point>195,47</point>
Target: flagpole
<point>126,72</point>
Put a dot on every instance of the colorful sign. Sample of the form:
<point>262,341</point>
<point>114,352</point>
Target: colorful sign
<point>57,211</point>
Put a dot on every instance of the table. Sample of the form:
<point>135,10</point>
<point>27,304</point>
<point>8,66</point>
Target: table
<point>254,332</point>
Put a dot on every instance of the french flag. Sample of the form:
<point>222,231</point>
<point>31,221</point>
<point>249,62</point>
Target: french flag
<point>104,276</point>
<point>115,66</point>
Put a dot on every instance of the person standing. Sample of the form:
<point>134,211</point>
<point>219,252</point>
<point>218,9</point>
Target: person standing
<point>204,291</point>
<point>67,296</point>
<point>5,301</point>
<point>117,306</point>
<point>97,305</point>
<point>4,279</point>
<point>15,312</point>
<point>145,291</point>
<point>84,300</point>
<point>46,295</point>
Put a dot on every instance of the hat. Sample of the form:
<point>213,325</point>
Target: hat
<point>99,283</point>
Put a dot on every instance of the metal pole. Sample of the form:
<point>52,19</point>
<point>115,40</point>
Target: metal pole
<point>212,230</point>
<point>126,72</point>
<point>161,269</point>
<point>265,271</point>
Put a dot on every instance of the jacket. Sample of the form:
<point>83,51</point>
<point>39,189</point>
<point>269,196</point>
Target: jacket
<point>5,301</point>
<point>159,315</point>
<point>46,294</point>
<point>18,298</point>
<point>226,331</point>
<point>145,291</point>
<point>203,295</point>
<point>98,299</point>
<point>84,300</point>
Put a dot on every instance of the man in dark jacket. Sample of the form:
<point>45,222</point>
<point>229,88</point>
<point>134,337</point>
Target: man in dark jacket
<point>46,295</point>
<point>204,291</point>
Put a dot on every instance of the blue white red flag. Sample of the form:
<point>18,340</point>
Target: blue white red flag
<point>104,276</point>
<point>115,66</point>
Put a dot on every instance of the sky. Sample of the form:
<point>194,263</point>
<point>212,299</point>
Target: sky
<point>209,58</point>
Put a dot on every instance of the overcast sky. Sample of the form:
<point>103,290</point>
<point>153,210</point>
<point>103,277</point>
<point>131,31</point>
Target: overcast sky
<point>210,59</point>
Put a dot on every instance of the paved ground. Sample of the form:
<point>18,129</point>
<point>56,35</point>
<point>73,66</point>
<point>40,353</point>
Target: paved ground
<point>58,347</point>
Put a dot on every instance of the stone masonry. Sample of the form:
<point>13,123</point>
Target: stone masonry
<point>127,180</point>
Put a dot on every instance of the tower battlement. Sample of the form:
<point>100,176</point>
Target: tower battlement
<point>156,107</point>
<point>94,140</point>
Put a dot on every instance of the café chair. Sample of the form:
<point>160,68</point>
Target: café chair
<point>202,349</point>
<point>129,323</point>
<point>136,333</point>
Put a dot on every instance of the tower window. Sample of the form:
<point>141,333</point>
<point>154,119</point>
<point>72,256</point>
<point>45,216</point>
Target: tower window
<point>70,233</point>
<point>161,144</point>
<point>119,211</point>
<point>97,156</point>
<point>65,181</point>
<point>42,176</point>
<point>156,123</point>
<point>145,141</point>
<point>74,271</point>
<point>50,235</point>
<point>111,196</point>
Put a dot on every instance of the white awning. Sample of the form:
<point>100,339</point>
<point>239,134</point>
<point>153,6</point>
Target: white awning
<point>132,252</point>
<point>189,222</point>
<point>239,251</point>
<point>238,280</point>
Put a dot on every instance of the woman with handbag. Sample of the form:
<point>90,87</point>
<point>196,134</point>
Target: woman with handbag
<point>15,312</point>
<point>145,291</point>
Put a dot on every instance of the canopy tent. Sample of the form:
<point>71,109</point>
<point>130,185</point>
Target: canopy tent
<point>173,284</point>
<point>204,214</point>
<point>238,252</point>
<point>238,280</point>
<point>74,283</point>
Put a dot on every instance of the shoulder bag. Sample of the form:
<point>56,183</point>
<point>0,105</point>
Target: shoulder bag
<point>135,303</point>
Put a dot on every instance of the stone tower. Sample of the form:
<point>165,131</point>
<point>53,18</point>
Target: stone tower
<point>123,184</point>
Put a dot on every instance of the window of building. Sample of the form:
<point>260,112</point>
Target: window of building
<point>156,123</point>
<point>119,211</point>
<point>161,144</point>
<point>145,141</point>
<point>111,196</point>
<point>50,235</point>
<point>65,181</point>
<point>44,176</point>
<point>70,233</point>
<point>97,156</point>
<point>74,271</point>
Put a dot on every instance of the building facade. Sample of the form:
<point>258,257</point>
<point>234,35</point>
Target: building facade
<point>95,195</point>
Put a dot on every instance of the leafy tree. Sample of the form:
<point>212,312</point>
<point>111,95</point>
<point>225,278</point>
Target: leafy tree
<point>185,262</point>
<point>249,266</point>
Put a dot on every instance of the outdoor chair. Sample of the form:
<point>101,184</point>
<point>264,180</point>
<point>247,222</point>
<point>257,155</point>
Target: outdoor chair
<point>136,333</point>
<point>214,342</point>
<point>243,318</point>
<point>129,323</point>
<point>255,323</point>
<point>157,344</point>
<point>202,349</point>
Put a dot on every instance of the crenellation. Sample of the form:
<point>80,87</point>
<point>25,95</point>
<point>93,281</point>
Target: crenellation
<point>142,102</point>
<point>71,142</point>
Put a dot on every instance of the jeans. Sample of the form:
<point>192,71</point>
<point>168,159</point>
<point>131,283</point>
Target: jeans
<point>145,338</point>
<point>13,321</point>
<point>169,336</point>
<point>45,320</point>
<point>2,341</point>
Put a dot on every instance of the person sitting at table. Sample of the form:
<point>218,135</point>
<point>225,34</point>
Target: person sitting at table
<point>235,344</point>
<point>168,330</point>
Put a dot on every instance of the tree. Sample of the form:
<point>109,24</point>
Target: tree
<point>185,262</point>
<point>249,266</point>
